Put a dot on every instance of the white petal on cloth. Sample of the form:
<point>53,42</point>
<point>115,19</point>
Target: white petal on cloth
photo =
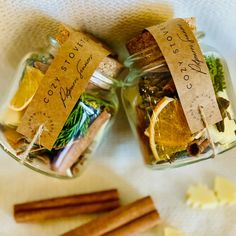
<point>23,27</point>
<point>225,190</point>
<point>200,196</point>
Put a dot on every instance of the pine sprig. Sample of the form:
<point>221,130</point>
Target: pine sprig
<point>85,111</point>
<point>216,71</point>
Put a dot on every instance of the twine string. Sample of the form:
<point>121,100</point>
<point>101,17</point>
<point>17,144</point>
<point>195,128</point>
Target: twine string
<point>37,135</point>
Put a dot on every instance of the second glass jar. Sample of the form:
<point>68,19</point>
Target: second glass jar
<point>156,115</point>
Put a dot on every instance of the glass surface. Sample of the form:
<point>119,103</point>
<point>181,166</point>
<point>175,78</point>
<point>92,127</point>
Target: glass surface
<point>156,117</point>
<point>82,132</point>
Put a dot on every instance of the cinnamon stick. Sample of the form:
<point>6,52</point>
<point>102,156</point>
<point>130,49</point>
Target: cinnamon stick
<point>80,145</point>
<point>139,225</point>
<point>115,219</point>
<point>61,212</point>
<point>67,206</point>
<point>198,146</point>
<point>101,196</point>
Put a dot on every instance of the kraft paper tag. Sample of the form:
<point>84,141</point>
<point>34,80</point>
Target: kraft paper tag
<point>62,86</point>
<point>189,71</point>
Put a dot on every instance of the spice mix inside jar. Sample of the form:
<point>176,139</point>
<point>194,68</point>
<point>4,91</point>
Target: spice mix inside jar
<point>180,102</point>
<point>62,103</point>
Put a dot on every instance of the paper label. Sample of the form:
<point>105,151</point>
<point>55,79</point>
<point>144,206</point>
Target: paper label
<point>62,86</point>
<point>189,71</point>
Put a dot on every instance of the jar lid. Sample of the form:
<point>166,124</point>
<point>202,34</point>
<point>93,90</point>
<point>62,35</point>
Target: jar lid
<point>101,81</point>
<point>107,71</point>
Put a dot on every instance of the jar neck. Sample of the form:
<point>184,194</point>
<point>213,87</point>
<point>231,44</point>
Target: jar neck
<point>99,77</point>
<point>151,59</point>
<point>53,46</point>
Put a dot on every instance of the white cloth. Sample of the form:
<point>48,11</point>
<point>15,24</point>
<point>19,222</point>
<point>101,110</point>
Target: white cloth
<point>23,27</point>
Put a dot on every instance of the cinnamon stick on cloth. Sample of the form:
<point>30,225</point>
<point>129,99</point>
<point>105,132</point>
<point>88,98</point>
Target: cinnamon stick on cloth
<point>127,220</point>
<point>67,206</point>
<point>80,145</point>
<point>139,225</point>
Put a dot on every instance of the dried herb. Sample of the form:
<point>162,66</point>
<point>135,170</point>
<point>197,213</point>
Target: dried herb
<point>217,75</point>
<point>38,57</point>
<point>216,72</point>
<point>78,122</point>
<point>84,113</point>
<point>151,89</point>
<point>223,106</point>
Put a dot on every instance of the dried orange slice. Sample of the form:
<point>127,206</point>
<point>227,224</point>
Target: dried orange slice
<point>28,87</point>
<point>168,131</point>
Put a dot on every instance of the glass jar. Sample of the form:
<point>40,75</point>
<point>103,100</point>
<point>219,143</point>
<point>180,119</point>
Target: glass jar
<point>156,115</point>
<point>82,133</point>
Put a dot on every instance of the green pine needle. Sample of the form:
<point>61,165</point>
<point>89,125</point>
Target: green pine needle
<point>79,120</point>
